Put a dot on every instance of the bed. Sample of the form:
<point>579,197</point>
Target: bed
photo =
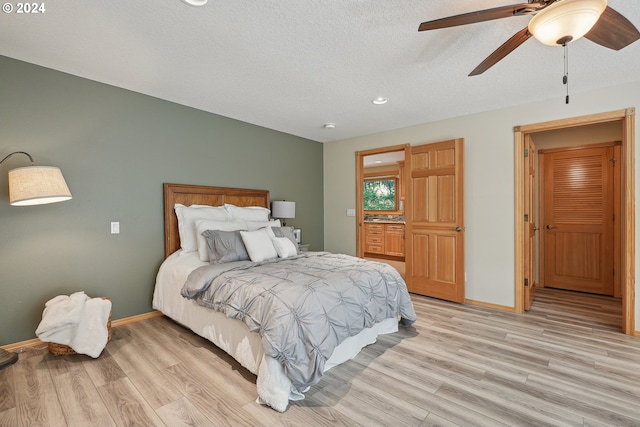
<point>190,288</point>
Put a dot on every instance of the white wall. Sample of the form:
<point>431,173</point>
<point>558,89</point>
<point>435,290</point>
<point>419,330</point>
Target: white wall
<point>489,182</point>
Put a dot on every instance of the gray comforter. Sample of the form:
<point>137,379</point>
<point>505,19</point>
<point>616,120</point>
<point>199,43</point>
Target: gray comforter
<point>303,307</point>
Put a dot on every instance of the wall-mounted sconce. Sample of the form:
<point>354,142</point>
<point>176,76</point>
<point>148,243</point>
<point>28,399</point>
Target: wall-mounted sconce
<point>36,185</point>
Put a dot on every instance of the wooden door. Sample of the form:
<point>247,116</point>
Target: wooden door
<point>530,223</point>
<point>579,219</point>
<point>435,220</point>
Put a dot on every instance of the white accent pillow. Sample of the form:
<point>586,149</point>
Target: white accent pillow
<point>203,225</point>
<point>258,244</point>
<point>256,225</point>
<point>284,247</point>
<point>187,216</point>
<point>247,213</point>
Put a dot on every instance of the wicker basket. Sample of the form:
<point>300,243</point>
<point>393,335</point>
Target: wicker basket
<point>63,349</point>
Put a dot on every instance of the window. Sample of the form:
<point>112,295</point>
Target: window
<point>380,194</point>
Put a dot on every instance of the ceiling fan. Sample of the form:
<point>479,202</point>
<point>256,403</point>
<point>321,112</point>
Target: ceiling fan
<point>554,22</point>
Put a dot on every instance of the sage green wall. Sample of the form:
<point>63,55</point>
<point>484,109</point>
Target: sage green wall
<point>488,179</point>
<point>115,149</point>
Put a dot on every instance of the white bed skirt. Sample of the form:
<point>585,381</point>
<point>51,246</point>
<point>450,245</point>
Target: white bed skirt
<point>234,337</point>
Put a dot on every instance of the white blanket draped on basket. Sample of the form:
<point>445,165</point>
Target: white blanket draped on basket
<point>77,321</point>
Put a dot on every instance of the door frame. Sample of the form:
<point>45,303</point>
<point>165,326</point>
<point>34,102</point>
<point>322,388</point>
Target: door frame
<point>627,203</point>
<point>360,244</point>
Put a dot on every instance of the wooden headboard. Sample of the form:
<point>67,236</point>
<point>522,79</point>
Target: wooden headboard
<point>202,195</point>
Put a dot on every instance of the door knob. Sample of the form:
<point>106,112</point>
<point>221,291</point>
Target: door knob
<point>549,226</point>
<point>458,229</point>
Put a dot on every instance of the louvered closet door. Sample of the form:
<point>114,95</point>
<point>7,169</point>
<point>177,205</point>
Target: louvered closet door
<point>578,219</point>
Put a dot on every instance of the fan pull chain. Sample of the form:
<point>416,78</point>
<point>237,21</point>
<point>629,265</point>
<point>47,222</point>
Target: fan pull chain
<point>565,78</point>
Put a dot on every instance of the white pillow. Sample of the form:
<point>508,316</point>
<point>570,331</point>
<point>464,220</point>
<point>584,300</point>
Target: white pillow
<point>256,225</point>
<point>203,225</point>
<point>248,213</point>
<point>187,216</point>
<point>258,244</point>
<point>284,247</point>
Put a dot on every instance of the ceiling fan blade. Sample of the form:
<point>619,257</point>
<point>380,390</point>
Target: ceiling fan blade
<point>482,15</point>
<point>613,30</point>
<point>507,47</point>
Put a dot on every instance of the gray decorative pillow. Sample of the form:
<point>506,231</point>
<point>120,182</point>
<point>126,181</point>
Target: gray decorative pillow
<point>288,233</point>
<point>225,246</point>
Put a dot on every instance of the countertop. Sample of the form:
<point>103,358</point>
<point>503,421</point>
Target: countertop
<point>385,221</point>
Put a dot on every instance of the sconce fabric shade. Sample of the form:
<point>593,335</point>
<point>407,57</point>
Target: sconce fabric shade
<point>283,209</point>
<point>566,20</point>
<point>37,185</point>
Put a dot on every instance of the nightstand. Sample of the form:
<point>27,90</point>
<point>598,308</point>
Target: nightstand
<point>304,247</point>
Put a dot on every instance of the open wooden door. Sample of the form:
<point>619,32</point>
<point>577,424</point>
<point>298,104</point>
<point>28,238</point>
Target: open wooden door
<point>529,222</point>
<point>435,221</point>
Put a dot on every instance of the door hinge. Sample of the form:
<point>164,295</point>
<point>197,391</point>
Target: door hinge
<point>526,152</point>
<point>526,282</point>
<point>526,217</point>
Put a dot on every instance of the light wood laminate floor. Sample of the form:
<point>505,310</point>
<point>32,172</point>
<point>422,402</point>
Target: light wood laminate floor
<point>564,363</point>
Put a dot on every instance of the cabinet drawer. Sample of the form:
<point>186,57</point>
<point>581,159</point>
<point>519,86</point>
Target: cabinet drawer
<point>374,228</point>
<point>376,249</point>
<point>375,239</point>
<point>395,228</point>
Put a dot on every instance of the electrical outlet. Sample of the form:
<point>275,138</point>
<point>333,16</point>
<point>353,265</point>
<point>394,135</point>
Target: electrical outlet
<point>351,212</point>
<point>115,228</point>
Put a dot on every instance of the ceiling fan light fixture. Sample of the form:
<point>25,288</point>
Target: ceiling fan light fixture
<point>566,20</point>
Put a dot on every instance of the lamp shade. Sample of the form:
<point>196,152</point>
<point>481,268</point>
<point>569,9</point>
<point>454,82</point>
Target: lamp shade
<point>566,20</point>
<point>37,185</point>
<point>283,209</point>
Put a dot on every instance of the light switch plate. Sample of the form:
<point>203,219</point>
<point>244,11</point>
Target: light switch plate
<point>351,212</point>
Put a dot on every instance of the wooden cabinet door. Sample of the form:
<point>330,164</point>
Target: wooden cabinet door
<point>394,239</point>
<point>579,219</point>
<point>435,220</point>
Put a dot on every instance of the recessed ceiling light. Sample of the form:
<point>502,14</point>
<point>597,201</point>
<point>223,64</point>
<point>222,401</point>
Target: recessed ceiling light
<point>378,161</point>
<point>195,2</point>
<point>380,100</point>
<point>329,126</point>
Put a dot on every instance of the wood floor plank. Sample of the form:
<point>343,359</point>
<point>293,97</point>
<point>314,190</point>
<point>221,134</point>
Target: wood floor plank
<point>157,355</point>
<point>585,402</point>
<point>36,397</point>
<point>361,411</point>
<point>102,370</point>
<point>434,420</point>
<point>127,406</point>
<point>9,418</point>
<point>153,384</point>
<point>7,395</point>
<point>181,413</point>
<point>59,365</point>
<point>80,401</point>
<point>209,398</point>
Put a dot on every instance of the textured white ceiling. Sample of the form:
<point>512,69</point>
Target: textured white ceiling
<point>293,65</point>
